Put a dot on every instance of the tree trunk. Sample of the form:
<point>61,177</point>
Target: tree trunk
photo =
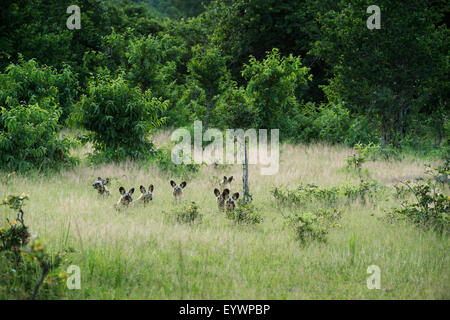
<point>208,108</point>
<point>246,192</point>
<point>384,140</point>
<point>441,132</point>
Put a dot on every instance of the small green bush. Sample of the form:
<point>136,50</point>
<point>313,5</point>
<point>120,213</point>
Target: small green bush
<point>120,118</point>
<point>310,226</point>
<point>188,213</point>
<point>430,208</point>
<point>245,213</point>
<point>29,139</point>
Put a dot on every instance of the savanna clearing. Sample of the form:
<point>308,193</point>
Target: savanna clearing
<point>141,253</point>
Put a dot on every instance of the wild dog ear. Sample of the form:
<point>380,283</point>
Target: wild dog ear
<point>230,179</point>
<point>236,196</point>
<point>225,193</point>
<point>99,179</point>
<point>105,182</point>
<point>150,188</point>
<point>183,184</point>
<point>131,191</point>
<point>122,190</point>
<point>142,188</point>
<point>173,184</point>
<point>224,179</point>
<point>216,192</point>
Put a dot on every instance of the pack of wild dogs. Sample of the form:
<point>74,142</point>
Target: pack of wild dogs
<point>225,200</point>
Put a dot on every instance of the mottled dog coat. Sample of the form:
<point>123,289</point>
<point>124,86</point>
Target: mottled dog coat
<point>177,189</point>
<point>100,186</point>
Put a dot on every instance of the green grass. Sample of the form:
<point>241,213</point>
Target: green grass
<point>142,254</point>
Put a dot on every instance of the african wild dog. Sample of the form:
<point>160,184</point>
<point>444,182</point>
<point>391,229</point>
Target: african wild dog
<point>225,183</point>
<point>125,198</point>
<point>231,202</point>
<point>100,186</point>
<point>177,189</point>
<point>221,197</point>
<point>146,196</point>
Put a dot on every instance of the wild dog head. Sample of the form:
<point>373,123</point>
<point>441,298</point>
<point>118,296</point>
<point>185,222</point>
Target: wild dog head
<point>221,197</point>
<point>231,202</point>
<point>225,183</point>
<point>146,195</point>
<point>125,198</point>
<point>100,186</point>
<point>177,189</point>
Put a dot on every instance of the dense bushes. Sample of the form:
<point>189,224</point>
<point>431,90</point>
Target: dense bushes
<point>245,213</point>
<point>430,207</point>
<point>308,193</point>
<point>30,138</point>
<point>29,83</point>
<point>119,118</point>
<point>315,225</point>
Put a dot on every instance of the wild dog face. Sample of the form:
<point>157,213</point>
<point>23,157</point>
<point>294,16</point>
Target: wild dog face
<point>146,195</point>
<point>221,197</point>
<point>231,202</point>
<point>177,189</point>
<point>225,183</point>
<point>100,186</point>
<point>125,198</point>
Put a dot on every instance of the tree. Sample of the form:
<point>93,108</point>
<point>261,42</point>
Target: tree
<point>275,84</point>
<point>119,117</point>
<point>29,83</point>
<point>238,110</point>
<point>374,74</point>
<point>208,70</point>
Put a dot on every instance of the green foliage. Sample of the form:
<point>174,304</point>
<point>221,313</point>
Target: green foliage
<point>430,207</point>
<point>331,123</point>
<point>377,80</point>
<point>152,63</point>
<point>313,226</point>
<point>16,235</point>
<point>305,194</point>
<point>30,139</point>
<point>163,161</point>
<point>360,155</point>
<point>273,85</point>
<point>119,117</point>
<point>235,109</point>
<point>29,83</point>
<point>245,213</point>
<point>25,265</point>
<point>188,213</point>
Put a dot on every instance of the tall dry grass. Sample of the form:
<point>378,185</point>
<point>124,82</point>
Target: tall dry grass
<point>141,254</point>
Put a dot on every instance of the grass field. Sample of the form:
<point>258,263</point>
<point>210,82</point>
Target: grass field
<point>141,254</point>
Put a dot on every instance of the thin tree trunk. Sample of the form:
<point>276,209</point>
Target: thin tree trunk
<point>246,192</point>
<point>384,141</point>
<point>208,108</point>
<point>441,132</point>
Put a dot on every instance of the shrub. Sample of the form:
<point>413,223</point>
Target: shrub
<point>245,213</point>
<point>429,210</point>
<point>313,225</point>
<point>163,160</point>
<point>188,213</point>
<point>30,140</point>
<point>25,265</point>
<point>29,83</point>
<point>304,194</point>
<point>119,118</point>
